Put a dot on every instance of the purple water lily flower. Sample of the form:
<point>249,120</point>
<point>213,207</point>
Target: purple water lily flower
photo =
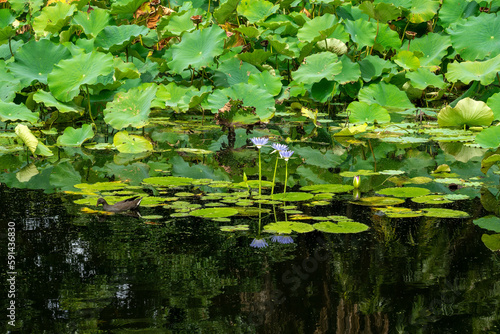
<point>279,147</point>
<point>259,141</point>
<point>286,154</point>
<point>258,243</point>
<point>282,239</point>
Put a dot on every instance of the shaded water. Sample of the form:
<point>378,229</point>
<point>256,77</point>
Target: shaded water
<point>90,274</point>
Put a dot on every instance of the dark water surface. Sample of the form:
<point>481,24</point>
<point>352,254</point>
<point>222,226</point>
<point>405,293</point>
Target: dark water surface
<point>79,273</point>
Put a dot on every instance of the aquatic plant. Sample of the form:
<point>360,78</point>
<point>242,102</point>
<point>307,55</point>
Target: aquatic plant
<point>277,148</point>
<point>259,142</point>
<point>286,155</point>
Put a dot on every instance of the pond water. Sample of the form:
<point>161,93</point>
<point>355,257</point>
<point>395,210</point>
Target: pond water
<point>92,273</point>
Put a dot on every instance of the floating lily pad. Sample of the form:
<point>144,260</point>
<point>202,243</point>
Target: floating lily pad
<point>444,213</point>
<point>251,211</point>
<point>152,201</point>
<point>431,199</point>
<point>100,186</point>
<point>393,212</point>
<point>328,188</point>
<point>214,212</point>
<point>405,192</point>
<point>491,223</point>
<point>234,228</point>
<point>293,197</point>
<point>491,241</point>
<point>288,227</point>
<point>341,227</point>
<point>361,172</point>
<point>152,217</point>
<point>179,214</point>
<point>379,201</point>
<point>168,181</point>
<point>456,197</point>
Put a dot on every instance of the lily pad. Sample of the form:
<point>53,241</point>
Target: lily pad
<point>234,228</point>
<point>328,188</point>
<point>431,199</point>
<point>75,137</point>
<point>126,143</point>
<point>341,227</point>
<point>214,212</point>
<point>491,223</point>
<point>444,213</point>
<point>168,181</point>
<point>379,201</point>
<point>292,197</point>
<point>491,241</point>
<point>284,227</point>
<point>404,192</point>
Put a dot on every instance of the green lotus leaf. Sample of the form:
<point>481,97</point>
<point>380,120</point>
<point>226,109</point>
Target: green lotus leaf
<point>423,78</point>
<point>323,65</point>
<point>69,74</point>
<point>256,10</point>
<point>233,71</point>
<point>328,188</point>
<point>214,212</point>
<point>93,22</point>
<point>372,67</point>
<point>75,137</point>
<point>333,45</point>
<point>36,59</point>
<point>381,12</point>
<point>6,34</point>
<point>50,101</point>
<point>379,201</point>
<point>197,49</point>
<point>6,17</point>
<point>433,47</point>
<point>287,46</point>
<point>404,192</point>
<point>283,227</point>
<point>177,97</point>
<point>423,10</point>
<point>486,29</point>
<point>491,241</point>
<point>489,138</point>
<point>466,112</point>
<point>53,18</point>
<point>431,199</point>
<point>177,24</point>
<point>396,212</point>
<point>451,12</point>
<point>362,32</point>
<point>131,108</point>
<point>318,28</point>
<point>64,176</point>
<point>126,143</point>
<point>266,81</point>
<point>114,38</point>
<point>386,95</point>
<point>256,57</point>
<point>494,103</point>
<point>100,186</point>
<point>467,71</point>
<point>407,60</point>
<point>250,95</point>
<point>124,70</point>
<point>224,10</point>
<point>361,112</point>
<point>491,223</point>
<point>387,39</point>
<point>168,181</point>
<point>341,227</point>
<point>10,111</point>
<point>364,172</point>
<point>23,132</point>
<point>292,197</point>
<point>125,6</point>
<point>9,84</point>
<point>234,228</point>
<point>350,71</point>
<point>444,213</point>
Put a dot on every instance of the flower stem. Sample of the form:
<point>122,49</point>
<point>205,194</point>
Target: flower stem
<point>260,176</point>
<point>286,179</point>
<point>274,176</point>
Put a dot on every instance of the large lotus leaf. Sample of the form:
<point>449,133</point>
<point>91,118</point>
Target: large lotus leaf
<point>176,24</point>
<point>10,111</point>
<point>350,71</point>
<point>23,132</point>
<point>467,71</point>
<point>372,67</point>
<point>256,10</point>
<point>50,101</point>
<point>286,227</point>
<point>6,17</point>
<point>75,137</point>
<point>232,72</point>
<point>9,85</point>
<point>386,95</point>
<point>317,29</point>
<point>404,192</point>
<point>36,59</point>
<point>381,12</point>
<point>287,46</point>
<point>492,241</point>
<point>387,38</point>
<point>126,6</point>
<point>315,157</point>
<point>433,46</point>
<point>250,95</point>
<point>451,12</point>
<point>323,65</point>
<point>53,18</point>
<point>125,70</point>
<point>114,38</point>
<point>257,57</point>
<point>362,32</point>
<point>477,37</point>
<point>491,223</point>
<point>361,112</point>
<point>341,227</point>
<point>266,81</point>
<point>131,108</point>
<point>126,143</point>
<point>423,10</point>
<point>69,74</point>
<point>197,49</point>
<point>489,138</point>
<point>466,112</point>
<point>407,60</point>
<point>93,22</point>
<point>6,34</point>
<point>224,10</point>
<point>64,176</point>
<point>494,103</point>
<point>423,78</point>
<point>179,98</point>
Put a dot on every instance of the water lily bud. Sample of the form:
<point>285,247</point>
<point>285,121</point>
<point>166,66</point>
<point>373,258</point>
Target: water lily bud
<point>356,181</point>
